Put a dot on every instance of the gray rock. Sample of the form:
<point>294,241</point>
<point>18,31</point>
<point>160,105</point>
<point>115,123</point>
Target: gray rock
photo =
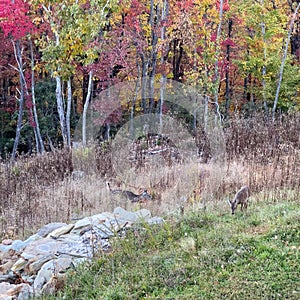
<point>42,258</point>
<point>155,220</point>
<point>60,231</point>
<point>122,214</point>
<point>18,245</point>
<point>19,265</point>
<point>15,291</point>
<point>143,214</point>
<point>45,230</point>
<point>36,265</point>
<point>48,270</point>
<point>32,238</point>
<point>91,221</point>
<point>26,292</point>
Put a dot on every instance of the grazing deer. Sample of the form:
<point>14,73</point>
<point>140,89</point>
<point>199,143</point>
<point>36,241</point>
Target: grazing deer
<point>128,195</point>
<point>241,197</point>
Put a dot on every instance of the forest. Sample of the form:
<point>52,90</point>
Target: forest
<point>115,113</point>
<point>241,56</point>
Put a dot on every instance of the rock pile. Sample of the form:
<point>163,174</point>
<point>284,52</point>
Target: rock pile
<point>37,265</point>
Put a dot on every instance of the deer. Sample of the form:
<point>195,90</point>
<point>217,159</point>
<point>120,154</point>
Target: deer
<point>128,195</point>
<point>241,197</point>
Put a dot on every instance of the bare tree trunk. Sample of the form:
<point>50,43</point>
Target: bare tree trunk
<point>85,108</point>
<point>68,113</point>
<point>39,140</point>
<point>264,68</point>
<point>131,129</point>
<point>18,57</point>
<point>227,94</point>
<point>60,110</point>
<point>283,61</point>
<point>164,14</point>
<point>144,80</point>
<point>153,53</point>
<point>217,75</point>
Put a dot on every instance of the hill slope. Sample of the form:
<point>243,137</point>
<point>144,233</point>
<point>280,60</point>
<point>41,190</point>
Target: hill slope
<point>202,255</point>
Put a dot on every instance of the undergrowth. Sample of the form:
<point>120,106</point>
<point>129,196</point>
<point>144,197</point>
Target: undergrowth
<point>202,255</point>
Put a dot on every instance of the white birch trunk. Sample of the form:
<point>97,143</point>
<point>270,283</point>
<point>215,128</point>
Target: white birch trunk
<point>283,61</point>
<point>85,108</point>
<point>39,140</point>
<point>217,75</point>
<point>164,14</point>
<point>18,57</point>
<point>68,114</point>
<point>60,110</point>
<point>264,68</point>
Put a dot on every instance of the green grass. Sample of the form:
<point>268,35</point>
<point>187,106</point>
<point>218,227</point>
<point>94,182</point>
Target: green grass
<point>203,255</point>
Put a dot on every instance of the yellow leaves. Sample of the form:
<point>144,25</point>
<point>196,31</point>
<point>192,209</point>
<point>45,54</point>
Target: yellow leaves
<point>37,20</point>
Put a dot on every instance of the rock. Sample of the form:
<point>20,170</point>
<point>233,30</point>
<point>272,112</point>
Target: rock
<point>132,217</point>
<point>15,291</point>
<point>19,265</point>
<point>60,231</point>
<point>122,214</point>
<point>45,230</point>
<point>91,221</point>
<point>50,269</point>
<point>155,220</point>
<point>26,292</point>
<point>143,214</point>
<point>5,268</point>
<point>7,242</point>
<point>35,266</point>
<point>32,238</point>
<point>4,288</point>
<point>40,261</point>
<point>56,283</point>
<point>42,247</point>
<point>18,245</point>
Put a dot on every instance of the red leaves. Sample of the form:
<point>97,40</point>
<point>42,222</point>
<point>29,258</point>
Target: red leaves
<point>228,42</point>
<point>14,19</point>
<point>226,6</point>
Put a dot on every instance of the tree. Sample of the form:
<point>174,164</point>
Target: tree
<point>284,59</point>
<point>16,24</point>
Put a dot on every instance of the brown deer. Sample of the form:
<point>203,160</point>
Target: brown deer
<point>128,195</point>
<point>241,197</point>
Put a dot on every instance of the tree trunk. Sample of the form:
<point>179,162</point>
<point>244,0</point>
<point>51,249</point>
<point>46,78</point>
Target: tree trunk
<point>39,140</point>
<point>68,114</point>
<point>283,61</point>
<point>217,75</point>
<point>164,14</point>
<point>227,93</point>
<point>264,68</point>
<point>85,109</point>
<point>133,103</point>
<point>60,110</point>
<point>18,57</point>
<point>153,52</point>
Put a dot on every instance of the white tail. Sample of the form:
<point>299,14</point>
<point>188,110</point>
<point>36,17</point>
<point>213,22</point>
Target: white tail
<point>241,197</point>
<point>128,195</point>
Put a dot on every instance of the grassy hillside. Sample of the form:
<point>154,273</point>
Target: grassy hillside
<point>201,255</point>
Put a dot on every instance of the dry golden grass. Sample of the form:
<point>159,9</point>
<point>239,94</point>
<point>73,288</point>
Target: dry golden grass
<point>39,190</point>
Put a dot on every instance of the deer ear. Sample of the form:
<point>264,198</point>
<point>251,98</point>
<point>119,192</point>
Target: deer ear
<point>229,202</point>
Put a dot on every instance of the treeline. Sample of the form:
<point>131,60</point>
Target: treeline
<point>242,56</point>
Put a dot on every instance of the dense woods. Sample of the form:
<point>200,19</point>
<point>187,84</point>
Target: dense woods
<point>185,101</point>
<point>56,56</point>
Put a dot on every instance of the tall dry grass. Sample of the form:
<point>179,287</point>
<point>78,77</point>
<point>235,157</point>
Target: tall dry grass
<point>42,189</point>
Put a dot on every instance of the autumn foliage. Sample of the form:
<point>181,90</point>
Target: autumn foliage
<point>230,51</point>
